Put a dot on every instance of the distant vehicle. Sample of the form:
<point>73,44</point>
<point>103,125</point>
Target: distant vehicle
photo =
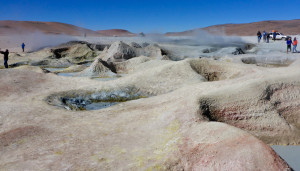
<point>279,36</point>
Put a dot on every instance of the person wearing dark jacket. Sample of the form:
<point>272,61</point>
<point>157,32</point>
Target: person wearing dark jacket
<point>5,53</point>
<point>23,46</point>
<point>258,36</point>
<point>268,37</point>
<point>265,36</point>
<point>274,36</point>
<point>289,45</point>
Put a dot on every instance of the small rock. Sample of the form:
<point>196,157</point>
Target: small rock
<point>238,51</point>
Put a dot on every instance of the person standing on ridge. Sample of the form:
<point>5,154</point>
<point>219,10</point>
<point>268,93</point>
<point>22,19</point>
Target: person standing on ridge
<point>5,53</point>
<point>289,44</point>
<point>23,46</point>
<point>258,36</point>
<point>295,45</point>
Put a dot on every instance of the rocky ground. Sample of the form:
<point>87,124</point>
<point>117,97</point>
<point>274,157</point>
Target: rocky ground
<point>178,107</point>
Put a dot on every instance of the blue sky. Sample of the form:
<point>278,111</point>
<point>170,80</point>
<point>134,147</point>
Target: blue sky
<point>148,15</point>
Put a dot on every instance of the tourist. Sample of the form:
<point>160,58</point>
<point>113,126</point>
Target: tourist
<point>23,46</point>
<point>258,36</point>
<point>5,53</point>
<point>274,36</point>
<point>268,37</point>
<point>289,44</point>
<point>295,45</point>
<point>265,36</point>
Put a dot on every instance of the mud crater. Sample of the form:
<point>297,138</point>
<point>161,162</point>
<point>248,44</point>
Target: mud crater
<point>79,100</point>
<point>213,70</point>
<point>277,105</point>
<point>268,63</point>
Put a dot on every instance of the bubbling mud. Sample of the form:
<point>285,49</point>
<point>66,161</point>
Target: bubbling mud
<point>93,100</point>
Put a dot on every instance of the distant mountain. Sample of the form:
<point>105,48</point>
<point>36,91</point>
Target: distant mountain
<point>22,27</point>
<point>116,32</point>
<point>288,27</point>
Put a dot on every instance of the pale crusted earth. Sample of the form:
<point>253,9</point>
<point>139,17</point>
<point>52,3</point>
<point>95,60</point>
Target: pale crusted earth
<point>192,114</point>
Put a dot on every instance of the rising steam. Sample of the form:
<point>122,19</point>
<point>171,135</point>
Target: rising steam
<point>33,41</point>
<point>199,38</point>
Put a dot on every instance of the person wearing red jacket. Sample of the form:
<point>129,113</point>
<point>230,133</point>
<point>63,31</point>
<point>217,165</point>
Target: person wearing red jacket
<point>295,45</point>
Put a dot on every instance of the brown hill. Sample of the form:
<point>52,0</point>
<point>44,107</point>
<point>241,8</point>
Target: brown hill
<point>116,32</point>
<point>289,27</point>
<point>22,27</point>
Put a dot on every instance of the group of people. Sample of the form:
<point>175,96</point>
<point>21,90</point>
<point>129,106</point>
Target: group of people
<point>259,35</point>
<point>6,53</point>
<point>289,42</point>
<point>266,36</point>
